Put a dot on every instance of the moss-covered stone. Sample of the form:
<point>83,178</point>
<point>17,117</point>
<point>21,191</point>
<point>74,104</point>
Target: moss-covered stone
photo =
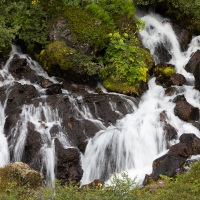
<point>121,88</point>
<point>20,174</point>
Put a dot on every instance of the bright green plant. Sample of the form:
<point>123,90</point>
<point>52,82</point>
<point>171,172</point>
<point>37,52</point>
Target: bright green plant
<point>124,60</point>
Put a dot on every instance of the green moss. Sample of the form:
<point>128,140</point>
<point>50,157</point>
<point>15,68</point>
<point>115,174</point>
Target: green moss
<point>120,87</point>
<point>164,70</point>
<point>86,28</point>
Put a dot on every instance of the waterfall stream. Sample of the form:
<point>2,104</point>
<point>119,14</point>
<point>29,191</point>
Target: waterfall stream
<point>128,143</point>
<point>136,140</point>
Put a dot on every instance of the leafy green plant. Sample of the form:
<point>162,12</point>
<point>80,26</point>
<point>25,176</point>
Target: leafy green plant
<point>124,61</point>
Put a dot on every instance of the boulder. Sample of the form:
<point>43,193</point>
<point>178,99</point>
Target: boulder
<point>177,79</point>
<point>166,165</point>
<point>21,174</point>
<point>68,164</point>
<point>54,89</point>
<point>184,36</point>
<point>193,62</point>
<point>184,110</point>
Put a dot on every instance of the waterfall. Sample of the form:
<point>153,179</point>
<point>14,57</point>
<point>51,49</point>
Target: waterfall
<point>137,139</point>
<point>42,121</point>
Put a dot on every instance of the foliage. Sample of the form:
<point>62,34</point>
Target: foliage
<point>59,54</point>
<point>124,60</point>
<point>18,181</point>
<point>184,186</point>
<point>187,12</point>
<point>86,28</point>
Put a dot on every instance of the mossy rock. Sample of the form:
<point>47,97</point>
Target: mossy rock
<point>122,88</point>
<point>20,175</point>
<point>164,70</point>
<point>58,59</point>
<point>83,29</point>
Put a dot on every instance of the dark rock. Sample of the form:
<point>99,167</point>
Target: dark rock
<point>197,76</point>
<point>177,79</point>
<point>166,165</point>
<point>184,110</point>
<point>68,164</point>
<point>32,146</point>
<point>181,149</point>
<point>20,95</point>
<point>45,83</point>
<point>184,36</point>
<point>193,62</point>
<point>169,131</point>
<point>54,89</point>
<point>192,141</point>
<point>170,91</point>
<point>162,54</point>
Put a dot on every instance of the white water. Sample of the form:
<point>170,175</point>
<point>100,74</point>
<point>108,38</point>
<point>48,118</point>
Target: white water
<point>136,140</point>
<point>43,118</point>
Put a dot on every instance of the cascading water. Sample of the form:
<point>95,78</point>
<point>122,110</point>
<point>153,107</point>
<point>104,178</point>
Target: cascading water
<point>136,140</point>
<point>46,119</point>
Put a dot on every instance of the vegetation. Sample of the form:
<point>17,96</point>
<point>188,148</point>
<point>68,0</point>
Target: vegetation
<point>183,186</point>
<point>187,12</point>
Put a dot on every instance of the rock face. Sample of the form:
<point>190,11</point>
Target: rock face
<point>184,36</point>
<point>42,114</point>
<point>193,62</point>
<point>197,77</point>
<point>172,162</point>
<point>184,110</point>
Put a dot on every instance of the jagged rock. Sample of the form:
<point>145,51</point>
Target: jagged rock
<point>166,165</point>
<point>192,141</point>
<point>171,162</point>
<point>181,149</point>
<point>193,62</point>
<point>32,146</point>
<point>68,164</point>
<point>197,76</point>
<point>19,95</point>
<point>184,110</point>
<point>184,36</point>
<point>54,89</point>
<point>169,130</point>
<point>45,83</point>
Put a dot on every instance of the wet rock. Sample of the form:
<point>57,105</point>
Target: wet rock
<point>197,77</point>
<point>45,83</point>
<point>184,110</point>
<point>32,146</point>
<point>20,69</point>
<point>181,149</point>
<point>68,164</point>
<point>170,91</point>
<point>54,89</point>
<point>193,62</point>
<point>177,79</point>
<point>184,36</point>
<point>162,54</point>
<point>192,141</point>
<point>166,165</point>
<point>169,131</point>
